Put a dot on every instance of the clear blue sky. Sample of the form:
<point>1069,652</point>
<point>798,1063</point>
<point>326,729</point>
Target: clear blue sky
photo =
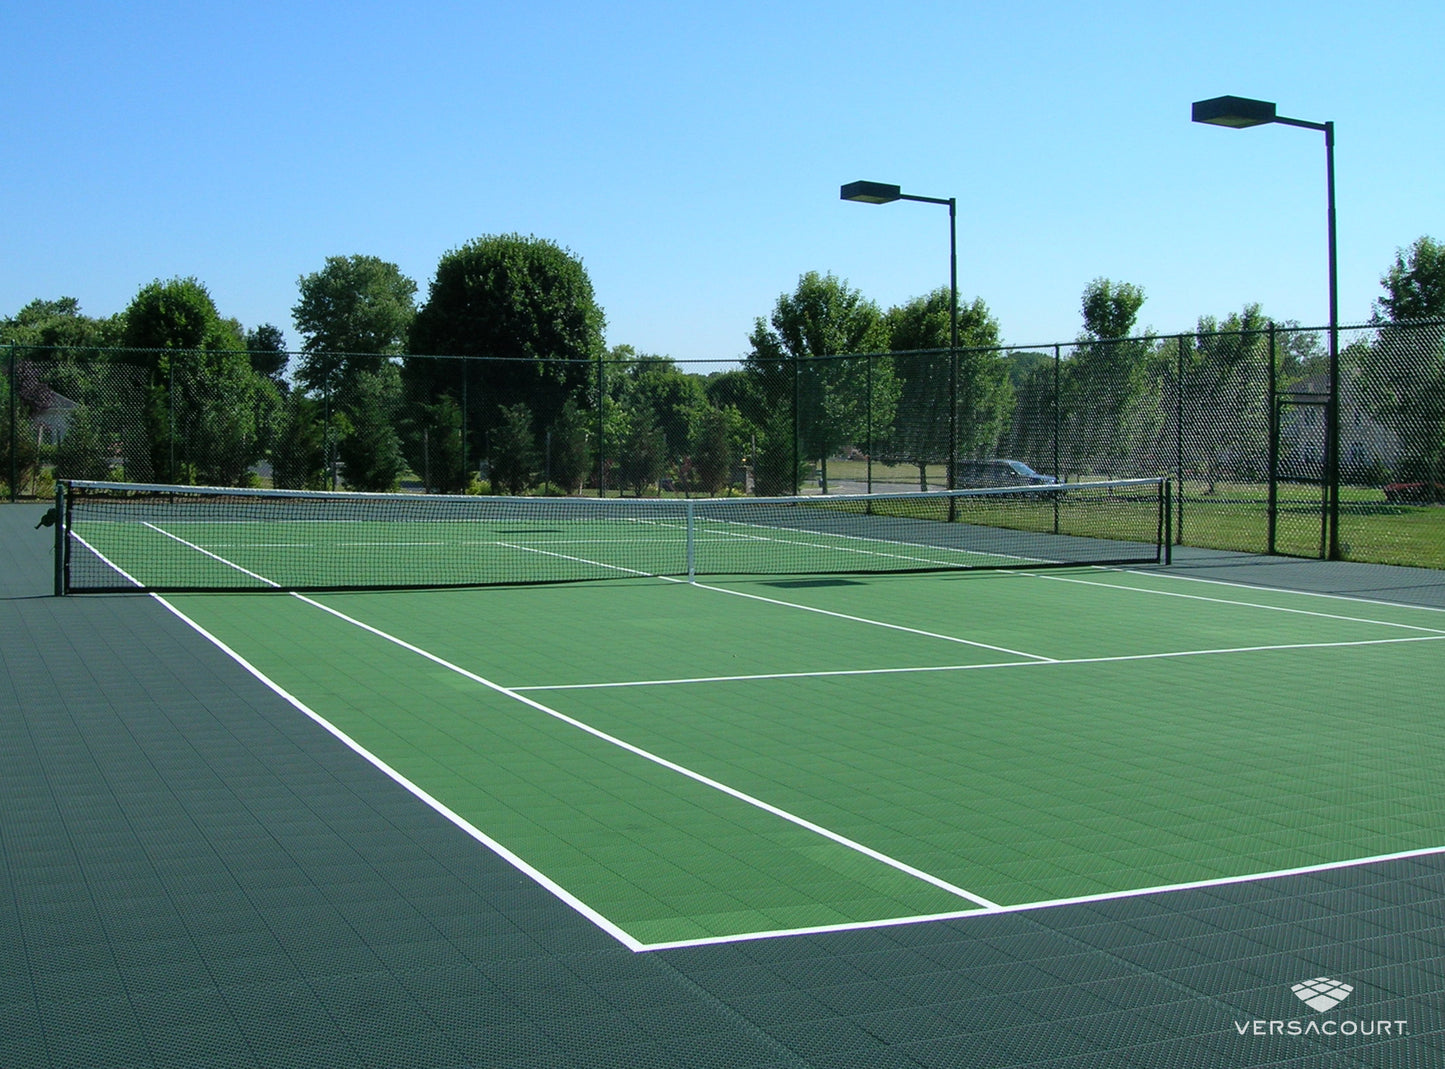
<point>691,153</point>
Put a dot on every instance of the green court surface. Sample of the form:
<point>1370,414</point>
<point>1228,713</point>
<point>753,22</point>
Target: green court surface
<point>738,758</point>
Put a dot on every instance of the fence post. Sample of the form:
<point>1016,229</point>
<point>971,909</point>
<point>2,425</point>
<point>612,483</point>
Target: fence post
<point>1272,506</point>
<point>868,442</point>
<point>14,424</point>
<point>601,444</point>
<point>466,471</point>
<point>1179,434</point>
<point>1058,416</point>
<point>797,428</point>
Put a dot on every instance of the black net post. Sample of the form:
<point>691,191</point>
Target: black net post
<point>1179,433</point>
<point>1272,501</point>
<point>601,422</point>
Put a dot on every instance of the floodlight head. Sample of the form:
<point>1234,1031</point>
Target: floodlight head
<point>871,192</point>
<point>1237,112</point>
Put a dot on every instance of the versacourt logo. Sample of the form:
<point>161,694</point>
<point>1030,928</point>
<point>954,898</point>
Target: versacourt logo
<point>1322,994</point>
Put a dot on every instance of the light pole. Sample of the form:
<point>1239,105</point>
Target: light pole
<point>1240,112</point>
<point>882,193</point>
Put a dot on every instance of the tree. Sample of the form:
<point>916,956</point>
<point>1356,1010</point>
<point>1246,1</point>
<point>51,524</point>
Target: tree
<point>523,305</point>
<point>1403,372</point>
<point>823,317</point>
<point>922,328</point>
<point>1224,396</point>
<point>203,401</point>
<point>369,447</point>
<point>1414,284</point>
<point>514,451</point>
<point>644,451</point>
<point>568,457</point>
<point>432,441</point>
<point>298,448</point>
<point>352,313</point>
<point>1105,379</point>
<point>713,437</point>
<point>267,348</point>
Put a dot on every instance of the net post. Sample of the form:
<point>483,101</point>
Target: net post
<point>1167,519</point>
<point>691,542</point>
<point>62,539</point>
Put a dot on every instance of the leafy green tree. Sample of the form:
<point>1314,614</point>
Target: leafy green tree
<point>643,457</point>
<point>658,384</point>
<point>920,430</point>
<point>1414,284</point>
<point>298,452</point>
<point>432,441</point>
<point>353,313</point>
<point>1403,372</point>
<point>58,324</point>
<point>714,436</point>
<point>1106,378</point>
<point>203,399</point>
<point>514,451</point>
<point>824,317</point>
<point>1225,396</point>
<point>266,346</point>
<point>523,304</point>
<point>570,458</point>
<point>370,448</point>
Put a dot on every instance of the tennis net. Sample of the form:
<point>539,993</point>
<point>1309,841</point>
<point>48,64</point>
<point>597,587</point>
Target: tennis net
<point>127,537</point>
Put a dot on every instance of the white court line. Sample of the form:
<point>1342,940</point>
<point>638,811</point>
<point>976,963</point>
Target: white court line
<point>978,667</point>
<point>1228,601</point>
<point>638,751</point>
<point>1284,590</point>
<point>1052,903</point>
<point>793,605</point>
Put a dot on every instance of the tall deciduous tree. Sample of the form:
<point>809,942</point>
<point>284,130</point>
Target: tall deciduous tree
<point>1404,370</point>
<point>920,433</point>
<point>523,304</point>
<point>1224,398</point>
<point>825,317</point>
<point>352,313</point>
<point>203,398</point>
<point>1105,379</point>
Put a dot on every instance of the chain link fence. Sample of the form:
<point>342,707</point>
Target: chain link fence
<point>1239,420</point>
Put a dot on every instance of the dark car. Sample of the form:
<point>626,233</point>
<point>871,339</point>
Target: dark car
<point>989,473</point>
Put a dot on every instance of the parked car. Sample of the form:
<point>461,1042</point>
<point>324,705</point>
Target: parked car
<point>981,473</point>
<point>1414,493</point>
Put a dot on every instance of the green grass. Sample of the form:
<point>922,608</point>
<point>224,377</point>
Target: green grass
<point>1372,531</point>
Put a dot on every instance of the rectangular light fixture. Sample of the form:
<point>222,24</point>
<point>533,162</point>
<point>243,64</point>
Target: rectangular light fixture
<point>1237,112</point>
<point>871,192</point>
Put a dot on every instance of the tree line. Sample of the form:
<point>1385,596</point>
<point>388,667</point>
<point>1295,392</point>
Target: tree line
<point>503,368</point>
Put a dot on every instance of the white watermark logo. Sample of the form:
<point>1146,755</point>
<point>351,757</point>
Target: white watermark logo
<point>1322,994</point>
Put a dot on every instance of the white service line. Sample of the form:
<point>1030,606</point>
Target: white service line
<point>1229,601</point>
<point>789,604</point>
<point>978,667</point>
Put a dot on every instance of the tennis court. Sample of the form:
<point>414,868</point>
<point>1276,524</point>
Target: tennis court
<point>747,756</point>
